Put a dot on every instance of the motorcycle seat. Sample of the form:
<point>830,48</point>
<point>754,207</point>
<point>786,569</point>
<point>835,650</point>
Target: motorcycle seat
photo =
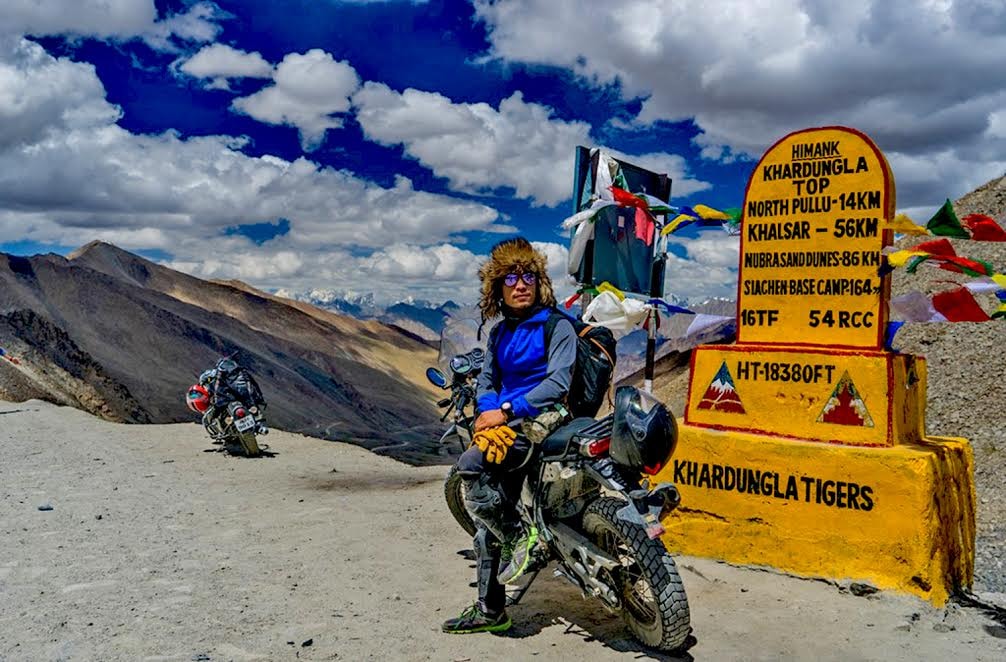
<point>556,446</point>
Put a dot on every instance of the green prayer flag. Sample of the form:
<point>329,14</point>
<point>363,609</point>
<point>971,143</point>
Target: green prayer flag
<point>944,223</point>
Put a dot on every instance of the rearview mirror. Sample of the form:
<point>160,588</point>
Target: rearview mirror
<point>436,377</point>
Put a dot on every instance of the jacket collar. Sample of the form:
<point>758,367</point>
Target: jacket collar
<point>538,313</point>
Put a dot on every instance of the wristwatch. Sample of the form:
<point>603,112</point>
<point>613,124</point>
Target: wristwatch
<point>507,410</point>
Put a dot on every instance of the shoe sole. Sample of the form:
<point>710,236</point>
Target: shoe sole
<point>532,541</point>
<point>499,627</point>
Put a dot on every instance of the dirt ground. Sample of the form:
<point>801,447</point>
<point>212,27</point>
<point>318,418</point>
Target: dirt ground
<point>156,550</point>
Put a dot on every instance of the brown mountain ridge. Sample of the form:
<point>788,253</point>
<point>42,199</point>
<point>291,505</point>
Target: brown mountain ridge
<point>121,337</point>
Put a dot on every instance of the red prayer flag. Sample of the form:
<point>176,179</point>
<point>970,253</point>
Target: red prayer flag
<point>626,199</point>
<point>983,228</point>
<point>645,226</point>
<point>936,247</point>
<point>959,305</point>
<point>963,265</point>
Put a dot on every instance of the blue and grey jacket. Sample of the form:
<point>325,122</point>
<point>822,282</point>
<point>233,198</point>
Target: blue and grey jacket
<point>519,369</point>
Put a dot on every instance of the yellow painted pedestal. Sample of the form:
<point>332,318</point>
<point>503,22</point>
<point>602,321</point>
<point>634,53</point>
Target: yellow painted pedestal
<point>899,517</point>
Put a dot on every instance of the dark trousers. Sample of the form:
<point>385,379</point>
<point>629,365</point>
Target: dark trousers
<point>492,492</point>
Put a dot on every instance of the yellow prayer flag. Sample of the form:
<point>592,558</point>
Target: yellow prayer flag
<point>675,223</point>
<point>710,214</point>
<point>905,225</point>
<point>900,258</point>
<point>608,287</point>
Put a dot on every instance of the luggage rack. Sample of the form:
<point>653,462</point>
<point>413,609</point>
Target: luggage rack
<point>599,429</point>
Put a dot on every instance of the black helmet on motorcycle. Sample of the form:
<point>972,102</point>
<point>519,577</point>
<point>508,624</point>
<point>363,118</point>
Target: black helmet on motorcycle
<point>644,433</point>
<point>227,366</point>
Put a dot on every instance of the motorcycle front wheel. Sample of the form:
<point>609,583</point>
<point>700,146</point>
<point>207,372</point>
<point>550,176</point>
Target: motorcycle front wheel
<point>454,493</point>
<point>654,604</point>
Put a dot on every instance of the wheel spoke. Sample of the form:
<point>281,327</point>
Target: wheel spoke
<point>636,592</point>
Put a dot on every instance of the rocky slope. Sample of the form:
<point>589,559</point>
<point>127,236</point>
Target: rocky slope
<point>965,395</point>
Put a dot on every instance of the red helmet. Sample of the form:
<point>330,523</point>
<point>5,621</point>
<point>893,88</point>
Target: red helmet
<point>198,399</point>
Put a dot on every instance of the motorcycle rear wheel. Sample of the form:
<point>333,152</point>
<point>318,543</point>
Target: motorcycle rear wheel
<point>654,604</point>
<point>249,443</point>
<point>454,493</point>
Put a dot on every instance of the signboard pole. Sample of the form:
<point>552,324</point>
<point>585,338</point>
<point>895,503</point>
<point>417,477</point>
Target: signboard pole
<point>585,300</point>
<point>651,350</point>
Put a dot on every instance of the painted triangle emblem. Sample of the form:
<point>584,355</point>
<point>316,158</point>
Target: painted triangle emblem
<point>845,406</point>
<point>722,394</point>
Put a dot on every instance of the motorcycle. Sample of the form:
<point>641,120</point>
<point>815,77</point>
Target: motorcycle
<point>236,425</point>
<point>598,517</point>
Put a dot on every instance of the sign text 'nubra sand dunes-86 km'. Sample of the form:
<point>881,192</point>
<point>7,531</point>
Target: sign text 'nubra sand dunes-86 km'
<point>804,444</point>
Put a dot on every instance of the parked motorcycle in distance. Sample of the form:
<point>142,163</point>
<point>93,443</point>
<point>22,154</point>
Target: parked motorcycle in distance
<point>236,424</point>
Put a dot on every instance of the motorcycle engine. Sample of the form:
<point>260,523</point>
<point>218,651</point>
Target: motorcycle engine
<point>565,490</point>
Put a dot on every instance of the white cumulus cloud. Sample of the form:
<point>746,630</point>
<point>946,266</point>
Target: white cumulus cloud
<point>70,174</point>
<point>111,19</point>
<point>708,269</point>
<point>479,149</point>
<point>923,79</point>
<point>218,62</point>
<point>309,92</point>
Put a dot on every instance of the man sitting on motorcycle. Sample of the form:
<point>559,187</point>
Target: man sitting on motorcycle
<point>524,379</point>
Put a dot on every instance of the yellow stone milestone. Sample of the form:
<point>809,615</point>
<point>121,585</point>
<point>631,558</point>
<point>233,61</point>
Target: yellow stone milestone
<point>803,445</point>
<point>811,242</point>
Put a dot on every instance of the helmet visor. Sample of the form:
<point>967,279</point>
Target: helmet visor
<point>647,402</point>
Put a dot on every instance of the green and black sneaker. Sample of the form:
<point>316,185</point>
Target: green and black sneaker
<point>517,555</point>
<point>474,620</point>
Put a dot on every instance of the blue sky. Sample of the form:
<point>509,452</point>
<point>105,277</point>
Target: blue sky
<point>383,147</point>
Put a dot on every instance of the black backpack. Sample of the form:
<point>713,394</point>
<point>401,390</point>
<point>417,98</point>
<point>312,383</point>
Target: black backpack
<point>594,368</point>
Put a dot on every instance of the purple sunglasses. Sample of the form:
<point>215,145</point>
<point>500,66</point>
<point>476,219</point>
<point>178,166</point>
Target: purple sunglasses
<point>510,280</point>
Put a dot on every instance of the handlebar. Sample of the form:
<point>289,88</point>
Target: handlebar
<point>464,368</point>
<point>461,395</point>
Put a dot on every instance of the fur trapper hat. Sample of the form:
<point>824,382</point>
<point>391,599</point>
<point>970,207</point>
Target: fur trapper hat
<point>508,256</point>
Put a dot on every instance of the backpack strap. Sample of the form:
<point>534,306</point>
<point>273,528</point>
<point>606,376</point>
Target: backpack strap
<point>555,316</point>
<point>553,319</point>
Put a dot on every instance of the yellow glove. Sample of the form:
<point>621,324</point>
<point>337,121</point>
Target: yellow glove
<point>498,450</point>
<point>482,439</point>
<point>495,442</point>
